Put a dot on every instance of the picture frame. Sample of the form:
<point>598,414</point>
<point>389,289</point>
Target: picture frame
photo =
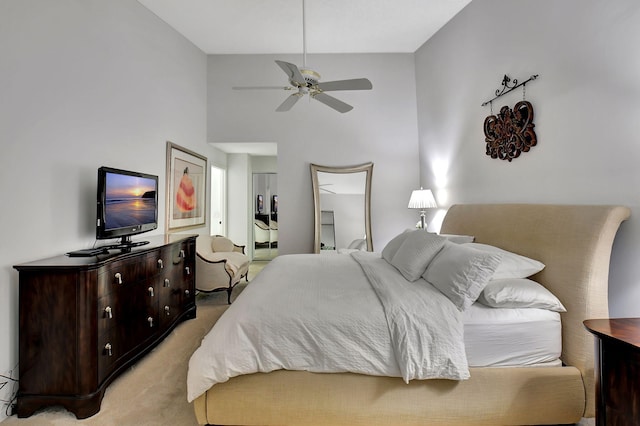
<point>259,204</point>
<point>186,200</point>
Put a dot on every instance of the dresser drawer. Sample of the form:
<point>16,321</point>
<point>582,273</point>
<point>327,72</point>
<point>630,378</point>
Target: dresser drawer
<point>188,268</point>
<point>110,350</point>
<point>121,274</point>
<point>160,262</point>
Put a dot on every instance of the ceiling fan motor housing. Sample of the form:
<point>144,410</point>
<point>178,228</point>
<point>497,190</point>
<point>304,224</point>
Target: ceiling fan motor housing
<point>310,76</point>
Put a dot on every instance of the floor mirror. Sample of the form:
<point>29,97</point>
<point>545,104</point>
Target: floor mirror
<point>342,207</point>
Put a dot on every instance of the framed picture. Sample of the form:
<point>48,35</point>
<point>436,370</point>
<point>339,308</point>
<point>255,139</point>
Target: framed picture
<point>274,204</point>
<point>259,203</point>
<point>186,188</point>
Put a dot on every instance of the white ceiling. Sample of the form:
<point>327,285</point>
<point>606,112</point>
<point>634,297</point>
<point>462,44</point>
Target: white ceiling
<point>332,26</point>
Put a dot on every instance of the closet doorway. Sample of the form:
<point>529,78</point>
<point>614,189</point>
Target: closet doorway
<point>265,216</point>
<point>218,201</point>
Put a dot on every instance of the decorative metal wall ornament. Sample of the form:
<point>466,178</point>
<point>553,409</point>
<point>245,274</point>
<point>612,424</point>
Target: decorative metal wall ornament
<point>510,133</point>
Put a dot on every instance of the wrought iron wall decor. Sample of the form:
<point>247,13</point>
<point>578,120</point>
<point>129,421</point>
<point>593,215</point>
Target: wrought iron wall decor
<point>506,88</point>
<point>510,133</point>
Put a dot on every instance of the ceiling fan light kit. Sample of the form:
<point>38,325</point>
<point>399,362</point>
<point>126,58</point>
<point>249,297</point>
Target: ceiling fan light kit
<point>307,82</point>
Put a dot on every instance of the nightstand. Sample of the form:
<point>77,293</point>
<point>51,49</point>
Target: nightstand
<point>617,357</point>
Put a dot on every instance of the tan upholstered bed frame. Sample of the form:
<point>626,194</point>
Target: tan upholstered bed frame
<point>574,242</point>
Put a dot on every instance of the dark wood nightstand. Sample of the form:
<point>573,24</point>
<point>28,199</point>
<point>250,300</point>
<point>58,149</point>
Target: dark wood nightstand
<point>617,370</point>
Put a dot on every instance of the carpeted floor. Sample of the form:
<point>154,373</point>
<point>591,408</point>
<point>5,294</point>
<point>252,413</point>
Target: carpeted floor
<point>153,391</point>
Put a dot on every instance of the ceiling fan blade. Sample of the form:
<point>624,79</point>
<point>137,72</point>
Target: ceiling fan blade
<point>332,102</point>
<point>262,87</point>
<point>289,102</point>
<point>354,84</point>
<point>292,71</point>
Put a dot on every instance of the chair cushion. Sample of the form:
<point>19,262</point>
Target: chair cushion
<point>221,244</point>
<point>238,262</point>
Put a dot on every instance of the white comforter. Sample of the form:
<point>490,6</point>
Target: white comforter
<point>333,313</point>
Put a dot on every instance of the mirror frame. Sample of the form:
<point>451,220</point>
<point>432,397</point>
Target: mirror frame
<point>368,169</point>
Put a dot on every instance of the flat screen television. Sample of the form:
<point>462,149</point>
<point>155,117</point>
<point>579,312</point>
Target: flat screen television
<point>127,205</point>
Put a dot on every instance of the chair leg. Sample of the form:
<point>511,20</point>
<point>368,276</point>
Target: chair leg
<point>229,290</point>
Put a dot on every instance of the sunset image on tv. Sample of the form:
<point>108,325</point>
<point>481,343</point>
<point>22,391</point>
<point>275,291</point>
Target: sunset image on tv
<point>130,201</point>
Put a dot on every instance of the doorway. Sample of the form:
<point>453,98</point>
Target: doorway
<point>218,201</point>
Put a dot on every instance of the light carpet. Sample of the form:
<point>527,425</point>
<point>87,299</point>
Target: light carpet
<point>154,390</point>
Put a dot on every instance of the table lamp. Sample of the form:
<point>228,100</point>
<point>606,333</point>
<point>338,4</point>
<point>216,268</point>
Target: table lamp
<point>422,199</point>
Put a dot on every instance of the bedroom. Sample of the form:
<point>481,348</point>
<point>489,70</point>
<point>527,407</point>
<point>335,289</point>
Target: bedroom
<point>79,96</point>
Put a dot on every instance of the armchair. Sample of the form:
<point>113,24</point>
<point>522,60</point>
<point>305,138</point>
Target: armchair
<point>261,232</point>
<point>220,264</point>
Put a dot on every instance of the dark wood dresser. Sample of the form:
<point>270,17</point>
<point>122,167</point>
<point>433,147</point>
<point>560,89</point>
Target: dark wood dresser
<point>84,320</point>
<point>617,370</point>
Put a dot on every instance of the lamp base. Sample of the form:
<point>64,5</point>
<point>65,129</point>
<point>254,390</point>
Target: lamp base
<point>423,222</point>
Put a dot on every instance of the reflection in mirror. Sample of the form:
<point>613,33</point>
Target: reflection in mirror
<point>342,201</point>
<point>265,220</point>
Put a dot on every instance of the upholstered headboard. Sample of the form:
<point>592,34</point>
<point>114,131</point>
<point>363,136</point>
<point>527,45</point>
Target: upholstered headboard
<point>574,242</point>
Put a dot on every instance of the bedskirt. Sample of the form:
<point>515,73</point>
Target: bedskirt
<point>505,396</point>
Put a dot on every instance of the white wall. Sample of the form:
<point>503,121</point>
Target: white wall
<point>239,196</point>
<point>381,128</point>
<point>264,164</point>
<point>83,84</point>
<point>587,109</point>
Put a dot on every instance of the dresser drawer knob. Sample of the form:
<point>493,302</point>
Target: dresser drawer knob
<point>187,270</point>
<point>150,291</point>
<point>150,321</point>
<point>118,277</point>
<point>107,349</point>
<point>108,312</point>
<point>187,293</point>
<point>182,254</point>
<point>160,264</point>
<point>167,310</point>
<point>167,283</point>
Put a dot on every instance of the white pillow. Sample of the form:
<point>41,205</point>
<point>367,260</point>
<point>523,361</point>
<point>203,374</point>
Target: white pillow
<point>512,265</point>
<point>416,252</point>
<point>459,239</point>
<point>392,246</point>
<point>461,272</point>
<point>519,293</point>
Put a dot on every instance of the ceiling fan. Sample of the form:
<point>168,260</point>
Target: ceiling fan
<point>305,81</point>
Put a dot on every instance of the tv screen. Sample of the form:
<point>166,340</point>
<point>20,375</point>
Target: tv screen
<point>127,203</point>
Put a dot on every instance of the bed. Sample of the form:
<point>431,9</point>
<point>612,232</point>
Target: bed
<point>573,242</point>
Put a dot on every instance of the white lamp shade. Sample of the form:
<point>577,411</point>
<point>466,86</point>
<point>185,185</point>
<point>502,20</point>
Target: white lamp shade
<point>422,199</point>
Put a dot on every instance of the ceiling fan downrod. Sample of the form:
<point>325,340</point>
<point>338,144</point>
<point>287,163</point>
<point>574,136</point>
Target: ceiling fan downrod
<point>304,36</point>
